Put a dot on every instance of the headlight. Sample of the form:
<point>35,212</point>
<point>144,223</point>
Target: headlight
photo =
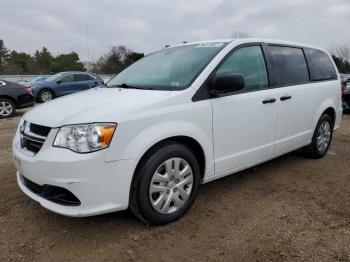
<point>85,138</point>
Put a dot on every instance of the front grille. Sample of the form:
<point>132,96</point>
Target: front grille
<point>54,194</point>
<point>33,136</point>
<point>31,145</point>
<point>39,130</point>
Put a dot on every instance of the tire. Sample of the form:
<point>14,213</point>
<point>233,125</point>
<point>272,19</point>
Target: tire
<point>45,95</point>
<point>143,201</point>
<point>7,108</point>
<point>314,150</point>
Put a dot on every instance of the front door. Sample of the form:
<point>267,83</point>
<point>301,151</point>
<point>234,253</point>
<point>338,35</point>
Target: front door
<point>244,122</point>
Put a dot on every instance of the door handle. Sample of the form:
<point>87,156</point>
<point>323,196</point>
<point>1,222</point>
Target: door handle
<point>286,97</point>
<point>269,100</point>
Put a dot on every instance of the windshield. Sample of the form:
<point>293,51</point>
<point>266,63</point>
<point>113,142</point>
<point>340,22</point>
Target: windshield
<point>168,69</point>
<point>54,77</point>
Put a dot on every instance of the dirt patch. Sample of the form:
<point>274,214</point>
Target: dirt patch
<point>291,208</point>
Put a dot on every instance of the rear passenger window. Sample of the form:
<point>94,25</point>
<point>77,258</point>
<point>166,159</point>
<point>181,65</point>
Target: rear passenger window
<point>81,77</point>
<point>321,66</point>
<point>248,61</point>
<point>289,65</point>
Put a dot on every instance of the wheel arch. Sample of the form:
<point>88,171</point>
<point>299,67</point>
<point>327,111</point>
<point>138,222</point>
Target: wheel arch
<point>187,141</point>
<point>327,107</point>
<point>12,99</point>
<point>331,112</point>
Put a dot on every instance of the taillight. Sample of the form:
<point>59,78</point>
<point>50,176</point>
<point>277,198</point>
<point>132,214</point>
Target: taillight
<point>28,90</point>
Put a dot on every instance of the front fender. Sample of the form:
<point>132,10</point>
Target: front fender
<point>138,145</point>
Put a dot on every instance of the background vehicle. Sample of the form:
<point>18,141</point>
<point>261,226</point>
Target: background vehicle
<point>34,81</point>
<point>64,83</point>
<point>176,118</point>
<point>13,96</point>
<point>346,95</point>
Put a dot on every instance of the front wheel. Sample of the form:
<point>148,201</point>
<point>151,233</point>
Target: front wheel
<point>322,137</point>
<point>165,184</point>
<point>45,96</point>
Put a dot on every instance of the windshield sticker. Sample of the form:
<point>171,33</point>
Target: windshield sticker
<point>175,84</point>
<point>210,45</point>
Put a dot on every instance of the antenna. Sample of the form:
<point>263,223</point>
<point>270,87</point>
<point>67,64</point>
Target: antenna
<point>87,43</point>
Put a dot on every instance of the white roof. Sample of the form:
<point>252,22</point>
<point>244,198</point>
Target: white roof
<point>250,40</point>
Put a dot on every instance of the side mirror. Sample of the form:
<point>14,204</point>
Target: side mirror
<point>226,83</point>
<point>59,82</point>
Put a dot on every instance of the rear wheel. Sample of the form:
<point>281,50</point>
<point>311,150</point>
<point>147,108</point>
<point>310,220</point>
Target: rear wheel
<point>45,96</point>
<point>322,137</point>
<point>7,108</point>
<point>165,184</point>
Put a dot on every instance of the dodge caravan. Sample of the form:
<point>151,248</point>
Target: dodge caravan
<point>177,118</point>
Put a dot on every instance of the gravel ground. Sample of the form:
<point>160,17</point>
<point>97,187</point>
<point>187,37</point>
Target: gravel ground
<point>289,209</point>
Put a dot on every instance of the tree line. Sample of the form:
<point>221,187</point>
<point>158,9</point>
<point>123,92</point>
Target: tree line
<point>115,60</point>
<point>341,57</point>
<point>44,62</point>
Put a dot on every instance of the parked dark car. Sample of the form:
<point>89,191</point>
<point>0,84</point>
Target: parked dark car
<point>64,83</point>
<point>13,96</point>
<point>346,95</point>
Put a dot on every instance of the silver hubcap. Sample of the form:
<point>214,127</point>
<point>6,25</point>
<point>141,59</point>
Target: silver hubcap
<point>171,185</point>
<point>323,136</point>
<point>5,109</point>
<point>46,96</point>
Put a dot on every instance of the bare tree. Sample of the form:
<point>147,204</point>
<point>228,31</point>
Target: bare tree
<point>342,52</point>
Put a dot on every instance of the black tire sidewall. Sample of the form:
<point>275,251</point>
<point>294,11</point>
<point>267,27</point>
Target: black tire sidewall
<point>12,105</point>
<point>145,175</point>
<point>322,119</point>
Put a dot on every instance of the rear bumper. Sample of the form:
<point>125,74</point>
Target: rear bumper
<point>24,101</point>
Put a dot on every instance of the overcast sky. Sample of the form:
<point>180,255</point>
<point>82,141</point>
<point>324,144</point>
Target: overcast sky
<point>144,26</point>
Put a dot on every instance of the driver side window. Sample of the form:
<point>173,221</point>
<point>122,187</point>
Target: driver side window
<point>248,61</point>
<point>67,79</point>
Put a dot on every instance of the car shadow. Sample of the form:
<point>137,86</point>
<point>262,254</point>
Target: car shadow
<point>126,222</point>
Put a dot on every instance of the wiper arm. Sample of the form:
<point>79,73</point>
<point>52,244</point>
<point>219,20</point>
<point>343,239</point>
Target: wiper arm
<point>125,85</point>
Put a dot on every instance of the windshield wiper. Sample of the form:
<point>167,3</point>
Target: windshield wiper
<point>125,85</point>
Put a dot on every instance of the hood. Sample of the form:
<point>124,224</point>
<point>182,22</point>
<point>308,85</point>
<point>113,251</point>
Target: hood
<point>40,84</point>
<point>91,106</point>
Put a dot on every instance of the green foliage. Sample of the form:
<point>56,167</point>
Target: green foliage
<point>42,62</point>
<point>342,64</point>
<point>67,62</point>
<point>118,58</point>
<point>19,62</point>
<point>3,55</point>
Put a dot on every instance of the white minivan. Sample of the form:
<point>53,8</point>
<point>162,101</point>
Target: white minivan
<point>179,117</point>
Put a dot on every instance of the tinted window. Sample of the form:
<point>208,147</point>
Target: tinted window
<point>81,77</point>
<point>248,61</point>
<point>321,67</point>
<point>67,78</point>
<point>289,65</point>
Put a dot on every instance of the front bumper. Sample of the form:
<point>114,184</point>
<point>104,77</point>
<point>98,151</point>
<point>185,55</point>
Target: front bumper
<point>100,186</point>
